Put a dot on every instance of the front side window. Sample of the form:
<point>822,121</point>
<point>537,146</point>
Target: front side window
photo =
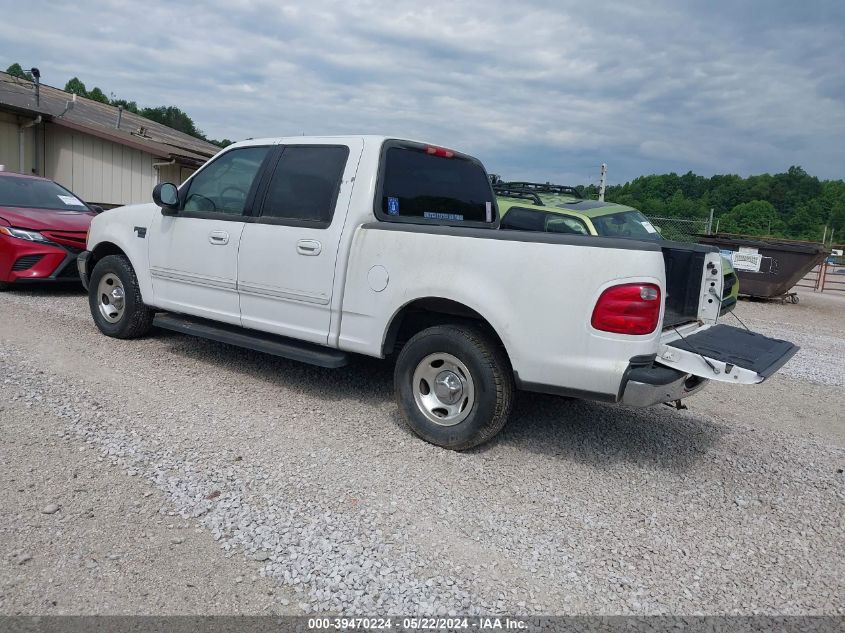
<point>630,224</point>
<point>223,186</point>
<point>565,224</point>
<point>434,185</point>
<point>306,183</point>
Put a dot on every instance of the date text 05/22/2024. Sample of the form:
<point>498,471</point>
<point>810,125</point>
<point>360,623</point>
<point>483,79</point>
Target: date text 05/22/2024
<point>418,624</point>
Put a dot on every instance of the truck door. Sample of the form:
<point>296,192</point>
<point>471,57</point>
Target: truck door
<point>286,265</point>
<point>194,253</point>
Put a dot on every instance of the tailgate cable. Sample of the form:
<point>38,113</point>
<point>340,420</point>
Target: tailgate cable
<point>740,321</point>
<point>692,347</point>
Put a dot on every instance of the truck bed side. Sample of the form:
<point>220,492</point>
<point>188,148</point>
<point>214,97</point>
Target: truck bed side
<point>537,292</point>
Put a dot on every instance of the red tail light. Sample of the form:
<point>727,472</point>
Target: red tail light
<point>442,152</point>
<point>628,309</point>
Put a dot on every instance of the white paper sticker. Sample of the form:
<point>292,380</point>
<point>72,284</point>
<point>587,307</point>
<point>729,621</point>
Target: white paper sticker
<point>648,226</point>
<point>749,262</point>
<point>488,211</point>
<point>71,201</point>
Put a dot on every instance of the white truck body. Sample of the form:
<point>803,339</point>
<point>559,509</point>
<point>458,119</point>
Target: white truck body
<point>347,283</point>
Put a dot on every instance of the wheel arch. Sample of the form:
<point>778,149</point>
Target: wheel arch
<point>107,247</point>
<point>101,250</point>
<point>423,312</point>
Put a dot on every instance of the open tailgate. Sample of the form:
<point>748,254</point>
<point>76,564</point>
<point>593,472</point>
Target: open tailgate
<point>727,354</point>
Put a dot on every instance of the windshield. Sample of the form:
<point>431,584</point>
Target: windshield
<point>38,194</point>
<point>630,224</point>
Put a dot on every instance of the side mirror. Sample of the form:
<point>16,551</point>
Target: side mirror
<point>96,208</point>
<point>166,196</point>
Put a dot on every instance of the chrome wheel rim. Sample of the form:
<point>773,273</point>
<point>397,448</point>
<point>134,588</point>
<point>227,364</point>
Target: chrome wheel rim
<point>111,297</point>
<point>443,389</point>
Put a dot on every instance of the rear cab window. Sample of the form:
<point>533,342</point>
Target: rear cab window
<point>424,184</point>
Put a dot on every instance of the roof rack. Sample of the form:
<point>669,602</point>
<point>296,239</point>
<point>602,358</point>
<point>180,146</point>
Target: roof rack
<point>546,187</point>
<point>514,192</point>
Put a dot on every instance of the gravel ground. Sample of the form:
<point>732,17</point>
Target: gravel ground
<point>308,479</point>
<point>80,535</point>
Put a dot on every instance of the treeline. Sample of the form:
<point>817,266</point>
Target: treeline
<point>792,205</point>
<point>171,116</point>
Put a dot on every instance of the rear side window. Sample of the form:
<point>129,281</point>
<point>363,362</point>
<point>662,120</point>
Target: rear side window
<point>305,184</point>
<point>430,185</point>
<point>519,219</point>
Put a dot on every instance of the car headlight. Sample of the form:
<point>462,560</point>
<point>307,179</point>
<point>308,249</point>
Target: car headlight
<point>32,236</point>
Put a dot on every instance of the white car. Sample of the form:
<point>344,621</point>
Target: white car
<point>315,248</point>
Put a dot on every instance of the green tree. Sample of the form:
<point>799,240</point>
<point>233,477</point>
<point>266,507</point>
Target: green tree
<point>757,217</point>
<point>75,86</point>
<point>15,70</point>
<point>129,106</point>
<point>98,95</point>
<point>171,116</point>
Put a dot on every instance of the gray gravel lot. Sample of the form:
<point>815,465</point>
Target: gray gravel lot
<point>309,478</point>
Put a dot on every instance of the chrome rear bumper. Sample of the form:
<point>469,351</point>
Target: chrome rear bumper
<point>646,394</point>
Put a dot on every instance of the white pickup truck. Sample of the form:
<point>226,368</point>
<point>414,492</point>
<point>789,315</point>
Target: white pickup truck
<point>319,248</point>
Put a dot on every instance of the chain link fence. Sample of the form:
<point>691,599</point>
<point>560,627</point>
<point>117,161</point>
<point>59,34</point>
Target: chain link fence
<point>680,229</point>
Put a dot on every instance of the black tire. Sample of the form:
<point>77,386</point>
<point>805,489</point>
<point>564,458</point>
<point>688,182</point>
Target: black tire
<point>4,286</point>
<point>491,375</point>
<point>136,318</point>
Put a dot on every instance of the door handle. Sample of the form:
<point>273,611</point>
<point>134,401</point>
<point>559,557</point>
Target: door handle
<point>218,238</point>
<point>309,247</point>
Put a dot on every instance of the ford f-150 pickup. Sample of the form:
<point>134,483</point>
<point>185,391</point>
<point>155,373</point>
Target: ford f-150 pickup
<point>317,248</point>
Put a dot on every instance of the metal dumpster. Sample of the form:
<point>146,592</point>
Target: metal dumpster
<point>767,268</point>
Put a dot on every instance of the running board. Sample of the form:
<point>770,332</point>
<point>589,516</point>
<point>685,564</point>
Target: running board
<point>253,339</point>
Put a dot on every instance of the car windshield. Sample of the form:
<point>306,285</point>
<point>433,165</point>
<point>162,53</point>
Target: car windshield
<point>37,194</point>
<point>630,224</point>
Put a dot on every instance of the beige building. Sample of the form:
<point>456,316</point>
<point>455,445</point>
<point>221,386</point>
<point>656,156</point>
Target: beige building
<point>105,155</point>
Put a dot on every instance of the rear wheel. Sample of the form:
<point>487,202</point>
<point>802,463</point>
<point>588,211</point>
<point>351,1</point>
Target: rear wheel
<point>454,385</point>
<point>115,299</point>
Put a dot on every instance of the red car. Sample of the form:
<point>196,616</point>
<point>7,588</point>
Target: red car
<point>43,227</point>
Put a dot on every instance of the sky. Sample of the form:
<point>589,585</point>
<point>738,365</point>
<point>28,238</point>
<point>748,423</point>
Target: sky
<point>544,90</point>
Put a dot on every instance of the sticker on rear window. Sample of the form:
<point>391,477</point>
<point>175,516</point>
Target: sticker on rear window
<point>648,227</point>
<point>71,201</point>
<point>488,211</point>
<point>431,215</point>
<point>393,206</point>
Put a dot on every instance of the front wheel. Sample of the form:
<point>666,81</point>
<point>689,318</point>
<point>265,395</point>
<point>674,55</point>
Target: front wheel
<point>115,299</point>
<point>454,385</point>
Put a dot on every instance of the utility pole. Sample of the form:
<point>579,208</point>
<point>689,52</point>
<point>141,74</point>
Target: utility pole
<point>602,181</point>
<point>710,223</point>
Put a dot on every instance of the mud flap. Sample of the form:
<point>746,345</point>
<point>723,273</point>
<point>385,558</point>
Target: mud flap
<point>726,354</point>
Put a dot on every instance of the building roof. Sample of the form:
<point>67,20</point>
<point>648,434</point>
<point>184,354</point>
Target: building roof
<point>100,119</point>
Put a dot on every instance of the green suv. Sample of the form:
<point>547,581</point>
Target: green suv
<point>529,206</point>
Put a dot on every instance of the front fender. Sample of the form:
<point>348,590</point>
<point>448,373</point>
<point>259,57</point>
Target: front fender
<point>126,228</point>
